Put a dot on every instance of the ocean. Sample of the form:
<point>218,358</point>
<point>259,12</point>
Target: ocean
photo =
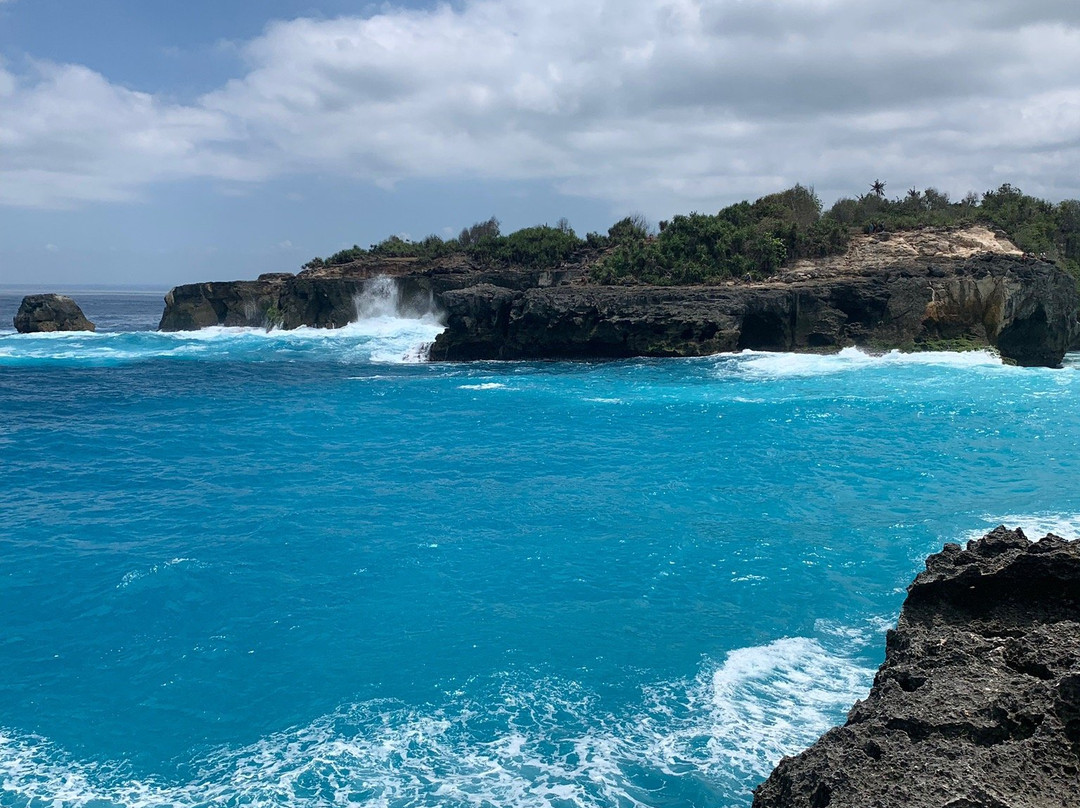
<point>250,568</point>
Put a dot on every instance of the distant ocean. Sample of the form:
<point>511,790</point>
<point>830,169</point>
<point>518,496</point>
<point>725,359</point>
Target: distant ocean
<point>249,568</point>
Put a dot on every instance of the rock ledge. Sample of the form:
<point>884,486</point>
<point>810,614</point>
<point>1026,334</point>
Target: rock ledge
<point>978,701</point>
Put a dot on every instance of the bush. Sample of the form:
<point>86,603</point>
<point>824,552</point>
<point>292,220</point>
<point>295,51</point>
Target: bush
<point>747,240</point>
<point>742,240</point>
<point>533,247</point>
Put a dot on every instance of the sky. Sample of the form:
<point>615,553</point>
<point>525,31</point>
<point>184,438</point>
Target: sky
<point>164,143</point>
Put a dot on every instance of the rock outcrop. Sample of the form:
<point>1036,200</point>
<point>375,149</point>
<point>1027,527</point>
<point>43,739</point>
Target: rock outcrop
<point>1024,308</point>
<point>917,290</point>
<point>46,313</point>
<point>977,704</point>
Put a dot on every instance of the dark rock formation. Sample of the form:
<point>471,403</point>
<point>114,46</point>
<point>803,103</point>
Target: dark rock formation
<point>45,313</point>
<point>1025,309</point>
<point>327,298</point>
<point>919,290</point>
<point>977,704</point>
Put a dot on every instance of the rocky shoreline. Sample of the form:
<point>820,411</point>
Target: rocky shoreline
<point>977,704</point>
<point>929,289</point>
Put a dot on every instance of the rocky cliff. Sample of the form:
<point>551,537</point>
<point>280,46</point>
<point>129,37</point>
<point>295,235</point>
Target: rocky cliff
<point>977,704</point>
<point>921,289</point>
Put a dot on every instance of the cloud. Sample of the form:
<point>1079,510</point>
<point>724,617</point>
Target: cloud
<point>69,136</point>
<point>658,105</point>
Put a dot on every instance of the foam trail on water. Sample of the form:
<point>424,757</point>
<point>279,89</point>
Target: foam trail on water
<point>525,742</point>
<point>766,365</point>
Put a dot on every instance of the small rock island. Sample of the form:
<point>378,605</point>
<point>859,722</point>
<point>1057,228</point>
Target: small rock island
<point>977,704</point>
<point>48,313</point>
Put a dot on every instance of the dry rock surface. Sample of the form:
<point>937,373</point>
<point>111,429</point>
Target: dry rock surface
<point>46,313</point>
<point>977,704</point>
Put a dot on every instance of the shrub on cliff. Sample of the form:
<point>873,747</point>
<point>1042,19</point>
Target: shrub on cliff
<point>354,253</point>
<point>430,247</point>
<point>741,241</point>
<point>537,247</point>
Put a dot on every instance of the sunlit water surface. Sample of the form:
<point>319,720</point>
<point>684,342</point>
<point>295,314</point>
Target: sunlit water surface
<point>241,567</point>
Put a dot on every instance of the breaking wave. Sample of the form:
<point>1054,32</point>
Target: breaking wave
<point>706,741</point>
<point>766,365</point>
<point>386,331</point>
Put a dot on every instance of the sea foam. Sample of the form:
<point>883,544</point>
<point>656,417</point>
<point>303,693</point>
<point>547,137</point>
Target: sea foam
<point>530,742</point>
<point>767,365</point>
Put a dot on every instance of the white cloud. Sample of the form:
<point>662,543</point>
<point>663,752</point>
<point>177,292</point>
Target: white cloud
<point>655,105</point>
<point>67,135</point>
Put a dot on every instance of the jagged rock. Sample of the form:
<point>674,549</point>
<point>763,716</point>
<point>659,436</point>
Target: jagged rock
<point>978,700</point>
<point>46,313</point>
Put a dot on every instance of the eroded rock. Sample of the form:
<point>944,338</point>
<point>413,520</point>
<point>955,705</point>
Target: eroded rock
<point>47,313</point>
<point>978,700</point>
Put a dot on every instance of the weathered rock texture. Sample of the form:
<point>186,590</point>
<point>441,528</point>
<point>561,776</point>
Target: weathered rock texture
<point>977,704</point>
<point>923,289</point>
<point>45,313</point>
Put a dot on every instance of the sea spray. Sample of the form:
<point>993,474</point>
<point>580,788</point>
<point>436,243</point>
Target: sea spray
<point>381,308</point>
<point>387,330</point>
<point>379,298</point>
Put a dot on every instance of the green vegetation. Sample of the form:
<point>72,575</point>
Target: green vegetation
<point>745,240</point>
<point>533,247</point>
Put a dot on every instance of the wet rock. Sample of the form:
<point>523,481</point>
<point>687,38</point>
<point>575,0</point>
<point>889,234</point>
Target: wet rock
<point>978,700</point>
<point>46,313</point>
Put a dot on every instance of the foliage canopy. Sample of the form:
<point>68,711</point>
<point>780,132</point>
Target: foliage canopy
<point>745,240</point>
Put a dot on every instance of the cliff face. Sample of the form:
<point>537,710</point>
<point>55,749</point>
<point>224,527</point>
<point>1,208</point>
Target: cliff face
<point>1024,309</point>
<point>922,289</point>
<point>978,701</point>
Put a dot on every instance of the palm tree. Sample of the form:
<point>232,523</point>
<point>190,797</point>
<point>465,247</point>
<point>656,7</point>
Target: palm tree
<point>878,187</point>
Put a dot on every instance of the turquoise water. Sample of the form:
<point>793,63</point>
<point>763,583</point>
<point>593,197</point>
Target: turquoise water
<point>249,568</point>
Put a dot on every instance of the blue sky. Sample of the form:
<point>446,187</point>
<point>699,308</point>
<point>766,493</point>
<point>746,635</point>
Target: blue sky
<point>161,143</point>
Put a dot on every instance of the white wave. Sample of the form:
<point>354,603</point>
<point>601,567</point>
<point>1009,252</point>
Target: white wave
<point>773,365</point>
<point>383,339</point>
<point>1034,525</point>
<point>761,704</point>
<point>483,386</point>
<point>135,576</point>
<point>540,743</point>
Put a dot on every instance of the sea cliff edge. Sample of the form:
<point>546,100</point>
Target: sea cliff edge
<point>917,290</point>
<point>977,704</point>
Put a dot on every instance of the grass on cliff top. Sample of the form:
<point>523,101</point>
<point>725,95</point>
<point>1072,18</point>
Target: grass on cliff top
<point>748,240</point>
